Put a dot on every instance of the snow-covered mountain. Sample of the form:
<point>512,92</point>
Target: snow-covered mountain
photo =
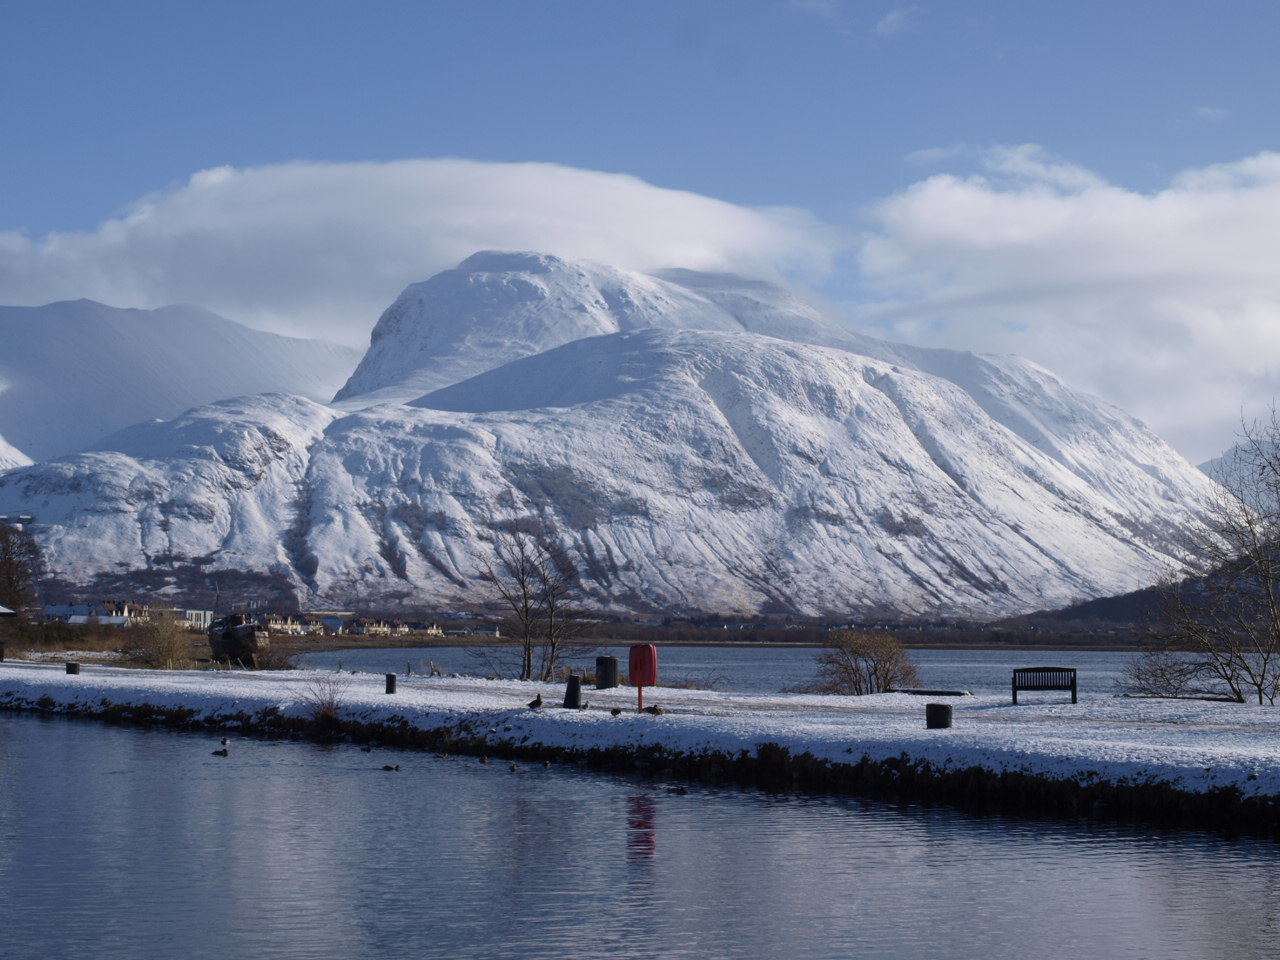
<point>11,456</point>
<point>693,441</point>
<point>73,372</point>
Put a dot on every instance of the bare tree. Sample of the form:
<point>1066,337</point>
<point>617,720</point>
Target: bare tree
<point>161,642</point>
<point>1221,632</point>
<point>858,662</point>
<point>19,567</point>
<point>538,585</point>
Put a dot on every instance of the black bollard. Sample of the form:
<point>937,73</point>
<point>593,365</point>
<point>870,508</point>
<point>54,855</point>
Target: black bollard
<point>1,652</point>
<point>606,673</point>
<point>573,692</point>
<point>937,716</point>
<point>391,683</point>
<point>73,668</point>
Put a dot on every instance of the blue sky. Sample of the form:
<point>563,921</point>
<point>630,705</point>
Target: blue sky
<point>1088,184</point>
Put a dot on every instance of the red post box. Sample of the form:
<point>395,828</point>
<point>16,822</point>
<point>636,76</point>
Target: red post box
<point>643,670</point>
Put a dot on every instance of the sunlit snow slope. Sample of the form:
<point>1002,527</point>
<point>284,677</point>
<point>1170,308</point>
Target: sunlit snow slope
<point>693,441</point>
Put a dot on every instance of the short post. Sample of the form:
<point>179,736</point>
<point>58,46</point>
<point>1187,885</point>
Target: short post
<point>937,716</point>
<point>391,683</point>
<point>1,651</point>
<point>606,672</point>
<point>573,692</point>
<point>73,668</point>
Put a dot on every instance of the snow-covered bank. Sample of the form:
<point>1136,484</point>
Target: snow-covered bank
<point>1184,748</point>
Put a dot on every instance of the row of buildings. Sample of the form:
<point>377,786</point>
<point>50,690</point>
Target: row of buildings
<point>321,623</point>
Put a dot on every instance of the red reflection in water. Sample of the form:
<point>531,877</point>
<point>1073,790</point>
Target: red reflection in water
<point>642,837</point>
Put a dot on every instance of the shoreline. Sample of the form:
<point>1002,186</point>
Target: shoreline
<point>1191,766</point>
<point>290,646</point>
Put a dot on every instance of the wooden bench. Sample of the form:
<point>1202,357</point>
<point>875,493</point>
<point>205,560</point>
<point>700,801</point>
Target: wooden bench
<point>1044,678</point>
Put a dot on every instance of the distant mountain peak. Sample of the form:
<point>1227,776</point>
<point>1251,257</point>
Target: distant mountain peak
<point>78,370</point>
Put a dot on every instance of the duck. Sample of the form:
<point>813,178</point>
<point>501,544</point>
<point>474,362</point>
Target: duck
<point>224,752</point>
<point>536,703</point>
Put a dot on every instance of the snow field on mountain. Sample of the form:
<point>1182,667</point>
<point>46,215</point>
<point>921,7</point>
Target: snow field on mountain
<point>693,442</point>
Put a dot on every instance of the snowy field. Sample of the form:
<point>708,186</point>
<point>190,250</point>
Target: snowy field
<point>1193,745</point>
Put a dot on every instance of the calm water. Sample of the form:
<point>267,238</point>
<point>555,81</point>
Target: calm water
<point>757,669</point>
<point>138,844</point>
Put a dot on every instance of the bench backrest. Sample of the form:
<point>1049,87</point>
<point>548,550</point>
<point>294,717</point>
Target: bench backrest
<point>1044,678</point>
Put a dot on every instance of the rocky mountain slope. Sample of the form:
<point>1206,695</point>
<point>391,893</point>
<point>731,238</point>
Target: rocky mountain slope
<point>693,442</point>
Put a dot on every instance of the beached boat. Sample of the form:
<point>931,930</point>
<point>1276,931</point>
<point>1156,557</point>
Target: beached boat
<point>236,637</point>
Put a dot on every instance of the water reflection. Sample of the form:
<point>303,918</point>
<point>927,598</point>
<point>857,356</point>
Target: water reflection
<point>642,840</point>
<point>123,843</point>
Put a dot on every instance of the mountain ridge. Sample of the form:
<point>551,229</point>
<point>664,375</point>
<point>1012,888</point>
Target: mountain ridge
<point>664,436</point>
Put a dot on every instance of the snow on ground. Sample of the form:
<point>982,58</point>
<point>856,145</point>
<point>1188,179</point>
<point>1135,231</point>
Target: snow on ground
<point>1194,745</point>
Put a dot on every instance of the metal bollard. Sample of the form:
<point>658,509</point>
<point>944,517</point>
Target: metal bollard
<point>937,716</point>
<point>391,683</point>
<point>573,692</point>
<point>73,668</point>
<point>606,673</point>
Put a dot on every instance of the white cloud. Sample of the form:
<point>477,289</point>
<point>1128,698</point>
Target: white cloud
<point>1211,113</point>
<point>1166,303</point>
<point>322,249</point>
<point>929,156</point>
<point>896,21</point>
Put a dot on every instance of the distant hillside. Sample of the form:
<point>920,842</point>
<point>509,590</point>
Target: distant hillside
<point>73,372</point>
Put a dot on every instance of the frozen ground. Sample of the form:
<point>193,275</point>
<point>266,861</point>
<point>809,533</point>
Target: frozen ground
<point>1194,745</point>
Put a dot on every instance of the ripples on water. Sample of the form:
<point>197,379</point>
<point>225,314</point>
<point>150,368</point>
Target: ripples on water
<point>138,844</point>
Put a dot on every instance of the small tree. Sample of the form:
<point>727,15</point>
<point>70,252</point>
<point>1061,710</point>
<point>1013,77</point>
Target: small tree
<point>1220,633</point>
<point>161,642</point>
<point>19,567</point>
<point>858,662</point>
<point>538,584</point>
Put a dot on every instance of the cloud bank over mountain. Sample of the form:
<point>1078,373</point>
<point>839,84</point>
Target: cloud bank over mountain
<point>1166,302</point>
<point>319,249</point>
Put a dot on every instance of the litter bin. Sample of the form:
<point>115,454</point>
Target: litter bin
<point>573,692</point>
<point>606,672</point>
<point>937,716</point>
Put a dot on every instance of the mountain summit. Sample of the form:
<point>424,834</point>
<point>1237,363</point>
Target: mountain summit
<point>693,442</point>
<point>495,307</point>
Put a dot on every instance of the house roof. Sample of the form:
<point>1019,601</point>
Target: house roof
<point>6,612</point>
